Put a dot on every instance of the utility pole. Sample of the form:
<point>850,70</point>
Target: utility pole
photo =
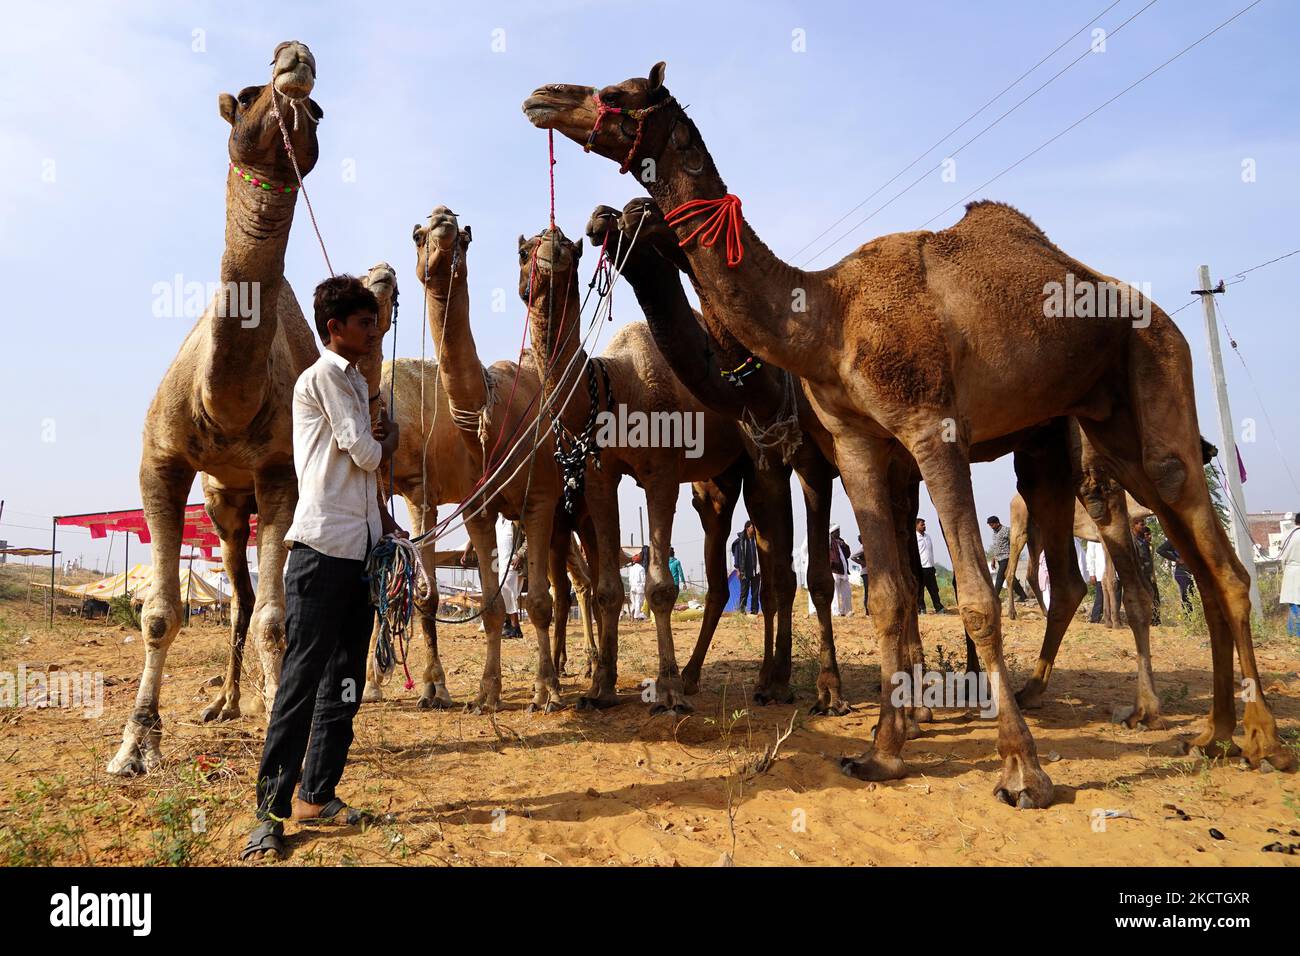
<point>1237,511</point>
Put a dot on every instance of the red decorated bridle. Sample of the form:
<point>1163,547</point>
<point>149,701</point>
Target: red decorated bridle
<point>639,115</point>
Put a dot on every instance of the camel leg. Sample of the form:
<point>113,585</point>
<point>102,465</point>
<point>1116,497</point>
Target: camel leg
<point>558,572</point>
<point>163,489</point>
<point>491,566</point>
<point>538,519</point>
<point>815,476</point>
<point>945,468</point>
<point>1047,483</point>
<point>905,497</point>
<point>434,692</point>
<point>715,502</point>
<point>375,679</point>
<point>229,513</point>
<point>864,469</point>
<point>585,564</point>
<point>661,594</point>
<point>276,490</point>
<point>602,505</point>
<point>1108,509</point>
<point>1171,481</point>
<point>767,498</point>
<point>1034,542</point>
<point>1019,536</point>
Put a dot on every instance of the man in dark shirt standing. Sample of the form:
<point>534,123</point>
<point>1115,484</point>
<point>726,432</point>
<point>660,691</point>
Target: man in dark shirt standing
<point>1146,563</point>
<point>744,558</point>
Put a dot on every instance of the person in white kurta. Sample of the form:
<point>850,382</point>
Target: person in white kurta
<point>507,575</point>
<point>636,588</point>
<point>1290,594</point>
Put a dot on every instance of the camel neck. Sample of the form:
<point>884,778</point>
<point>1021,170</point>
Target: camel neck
<point>555,323</point>
<point>697,357</point>
<point>244,316</point>
<point>758,301</point>
<point>446,297</point>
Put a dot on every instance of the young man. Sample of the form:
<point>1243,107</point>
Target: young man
<point>1147,564</point>
<point>328,615</point>
<point>839,556</point>
<point>636,589</point>
<point>744,558</point>
<point>929,582</point>
<point>861,558</point>
<point>675,569</point>
<point>508,575</point>
<point>1002,555</point>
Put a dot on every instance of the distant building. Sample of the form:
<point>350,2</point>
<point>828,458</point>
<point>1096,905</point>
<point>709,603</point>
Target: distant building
<point>1268,528</point>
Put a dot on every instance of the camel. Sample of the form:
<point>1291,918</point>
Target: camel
<point>937,341</point>
<point>493,409</point>
<point>223,407</point>
<point>430,466</point>
<point>632,379</point>
<point>1114,532</point>
<point>770,406</point>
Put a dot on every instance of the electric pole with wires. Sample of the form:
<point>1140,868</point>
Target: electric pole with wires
<point>1237,514</point>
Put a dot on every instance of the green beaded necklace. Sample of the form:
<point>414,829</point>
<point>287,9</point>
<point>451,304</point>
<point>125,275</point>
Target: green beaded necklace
<point>260,183</point>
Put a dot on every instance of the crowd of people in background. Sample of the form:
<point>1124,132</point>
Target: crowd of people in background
<point>845,563</point>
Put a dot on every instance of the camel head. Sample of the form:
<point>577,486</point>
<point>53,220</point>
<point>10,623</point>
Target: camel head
<point>548,260</point>
<point>602,227</point>
<point>437,243</point>
<point>623,122</point>
<point>382,281</point>
<point>256,143</point>
<point>642,217</point>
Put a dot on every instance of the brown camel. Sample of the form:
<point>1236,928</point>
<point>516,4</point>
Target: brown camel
<point>630,381</point>
<point>430,468</point>
<point>770,406</point>
<point>936,341</point>
<point>494,410</point>
<point>223,407</point>
<point>1112,529</point>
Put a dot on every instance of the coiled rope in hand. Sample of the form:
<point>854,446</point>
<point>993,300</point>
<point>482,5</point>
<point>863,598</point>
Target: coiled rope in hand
<point>397,580</point>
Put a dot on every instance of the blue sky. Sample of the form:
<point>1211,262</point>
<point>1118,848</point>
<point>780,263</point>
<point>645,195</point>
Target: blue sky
<point>112,172</point>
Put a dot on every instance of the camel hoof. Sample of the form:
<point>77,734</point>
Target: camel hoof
<point>373,694</point>
<point>435,697</point>
<point>1024,785</point>
<point>1210,749</point>
<point>121,766</point>
<point>874,766</point>
<point>218,711</point>
<point>602,701</point>
<point>830,708</point>
<point>549,707</point>
<point>690,685</point>
<point>1030,697</point>
<point>773,695</point>
<point>923,715</point>
<point>1135,717</point>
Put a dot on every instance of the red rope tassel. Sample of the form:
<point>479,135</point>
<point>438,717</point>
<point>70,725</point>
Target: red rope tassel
<point>724,219</point>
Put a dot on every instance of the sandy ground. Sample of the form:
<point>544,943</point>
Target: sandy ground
<point>620,787</point>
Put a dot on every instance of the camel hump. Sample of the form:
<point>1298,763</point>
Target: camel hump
<point>992,214</point>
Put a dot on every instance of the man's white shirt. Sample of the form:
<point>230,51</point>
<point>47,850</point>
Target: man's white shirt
<point>335,457</point>
<point>926,547</point>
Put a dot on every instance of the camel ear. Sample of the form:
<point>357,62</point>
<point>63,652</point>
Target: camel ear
<point>466,236</point>
<point>577,251</point>
<point>657,76</point>
<point>226,107</point>
<point>522,240</point>
<point>417,233</point>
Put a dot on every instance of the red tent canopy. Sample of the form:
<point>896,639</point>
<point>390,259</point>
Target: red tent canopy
<point>199,531</point>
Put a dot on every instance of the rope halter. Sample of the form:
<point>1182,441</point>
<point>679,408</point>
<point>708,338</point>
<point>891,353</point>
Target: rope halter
<point>602,108</point>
